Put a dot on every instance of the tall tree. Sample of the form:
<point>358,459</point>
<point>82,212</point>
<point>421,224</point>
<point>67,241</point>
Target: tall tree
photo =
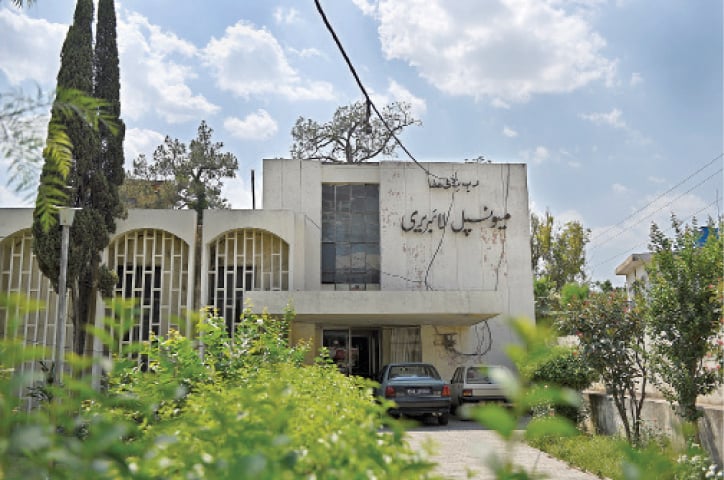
<point>685,314</point>
<point>89,181</point>
<point>197,171</point>
<point>107,85</point>
<point>353,135</point>
<point>558,252</point>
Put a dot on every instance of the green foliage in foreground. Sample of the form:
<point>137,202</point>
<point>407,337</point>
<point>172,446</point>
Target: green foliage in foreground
<point>528,356</point>
<point>247,409</point>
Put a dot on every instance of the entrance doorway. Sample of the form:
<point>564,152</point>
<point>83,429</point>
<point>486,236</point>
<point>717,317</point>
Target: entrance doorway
<point>355,351</point>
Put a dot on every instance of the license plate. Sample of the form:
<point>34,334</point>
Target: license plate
<point>418,391</point>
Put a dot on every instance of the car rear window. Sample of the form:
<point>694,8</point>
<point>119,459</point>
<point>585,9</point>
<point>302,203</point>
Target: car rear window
<point>413,371</point>
<point>475,375</point>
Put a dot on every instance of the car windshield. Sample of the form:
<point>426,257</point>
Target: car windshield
<point>413,371</point>
<point>476,375</point>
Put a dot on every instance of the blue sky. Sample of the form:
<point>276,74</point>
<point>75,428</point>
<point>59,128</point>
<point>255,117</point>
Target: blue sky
<point>615,106</point>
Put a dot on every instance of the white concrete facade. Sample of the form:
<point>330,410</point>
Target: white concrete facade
<point>454,254</point>
<point>449,264</point>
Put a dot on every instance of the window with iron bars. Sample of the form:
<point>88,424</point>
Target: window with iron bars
<point>241,261</point>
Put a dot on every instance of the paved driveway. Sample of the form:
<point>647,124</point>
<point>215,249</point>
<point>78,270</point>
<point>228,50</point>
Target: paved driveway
<point>461,449</point>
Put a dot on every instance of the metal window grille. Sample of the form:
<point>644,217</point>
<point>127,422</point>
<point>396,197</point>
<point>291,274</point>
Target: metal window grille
<point>152,268</point>
<point>245,260</point>
<point>20,274</point>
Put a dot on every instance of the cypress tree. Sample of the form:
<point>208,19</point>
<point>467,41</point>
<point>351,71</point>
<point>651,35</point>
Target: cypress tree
<point>96,170</point>
<point>107,86</point>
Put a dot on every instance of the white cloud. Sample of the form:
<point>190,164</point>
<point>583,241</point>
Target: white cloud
<point>618,188</point>
<point>238,191</point>
<point>612,118</point>
<point>140,141</point>
<point>368,7</point>
<point>657,180</point>
<point>636,79</point>
<point>569,216</point>
<point>255,126</point>
<point>249,61</point>
<point>152,78</point>
<point>286,16</point>
<point>505,50</point>
<point>399,93</point>
<point>498,103</point>
<point>307,52</point>
<point>537,156</point>
<point>509,132</point>
<point>30,48</point>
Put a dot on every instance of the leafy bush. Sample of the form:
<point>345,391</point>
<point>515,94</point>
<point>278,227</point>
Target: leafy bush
<point>246,408</point>
<point>533,351</point>
<point>565,368</point>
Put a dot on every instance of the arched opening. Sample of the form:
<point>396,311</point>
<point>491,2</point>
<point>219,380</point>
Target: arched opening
<point>245,260</point>
<point>152,269</point>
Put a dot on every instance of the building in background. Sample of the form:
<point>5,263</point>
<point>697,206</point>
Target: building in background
<point>381,262</point>
<point>634,269</point>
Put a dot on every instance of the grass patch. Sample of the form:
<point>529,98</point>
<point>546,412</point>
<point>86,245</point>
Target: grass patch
<point>605,456</point>
<point>597,454</point>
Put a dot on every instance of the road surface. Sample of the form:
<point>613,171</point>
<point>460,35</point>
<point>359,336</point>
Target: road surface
<point>462,448</point>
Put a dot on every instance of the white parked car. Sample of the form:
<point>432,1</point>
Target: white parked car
<point>471,385</point>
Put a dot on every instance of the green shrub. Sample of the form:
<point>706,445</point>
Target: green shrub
<point>564,368</point>
<point>246,408</point>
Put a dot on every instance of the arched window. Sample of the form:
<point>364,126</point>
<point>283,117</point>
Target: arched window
<point>245,260</point>
<point>152,268</point>
<point>20,274</point>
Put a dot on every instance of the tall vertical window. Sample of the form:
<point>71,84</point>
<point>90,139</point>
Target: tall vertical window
<point>351,235</point>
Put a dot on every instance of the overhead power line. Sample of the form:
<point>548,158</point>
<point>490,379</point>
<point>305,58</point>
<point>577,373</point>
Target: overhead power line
<point>661,195</point>
<point>370,103</point>
<point>650,214</point>
<point>646,242</point>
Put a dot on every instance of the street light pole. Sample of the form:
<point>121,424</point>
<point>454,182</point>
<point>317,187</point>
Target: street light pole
<point>66,220</point>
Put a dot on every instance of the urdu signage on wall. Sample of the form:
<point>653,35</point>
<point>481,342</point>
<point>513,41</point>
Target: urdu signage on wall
<point>418,222</point>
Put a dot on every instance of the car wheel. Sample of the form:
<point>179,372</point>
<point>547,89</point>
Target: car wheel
<point>443,419</point>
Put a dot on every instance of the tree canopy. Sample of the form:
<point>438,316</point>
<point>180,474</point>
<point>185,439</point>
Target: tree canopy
<point>558,252</point>
<point>196,173</point>
<point>685,313</point>
<point>353,135</point>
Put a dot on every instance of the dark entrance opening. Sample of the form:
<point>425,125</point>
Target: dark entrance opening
<point>355,351</point>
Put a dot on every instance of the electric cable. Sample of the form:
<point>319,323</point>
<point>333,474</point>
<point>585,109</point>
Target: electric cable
<point>619,255</point>
<point>632,215</point>
<point>661,208</point>
<point>362,88</point>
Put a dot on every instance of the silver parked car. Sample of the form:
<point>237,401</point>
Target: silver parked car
<point>471,384</point>
<point>417,390</point>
